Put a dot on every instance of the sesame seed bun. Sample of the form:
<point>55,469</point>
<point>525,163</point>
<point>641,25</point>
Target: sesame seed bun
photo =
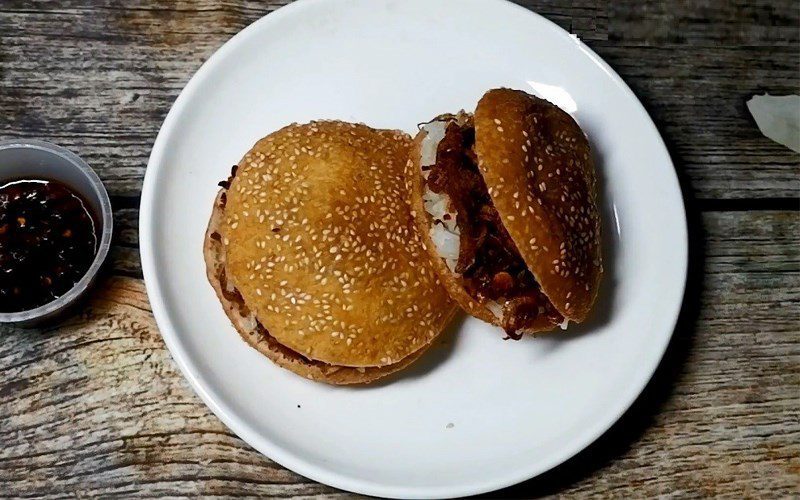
<point>320,243</point>
<point>538,165</point>
<point>425,222</point>
<point>449,278</point>
<point>538,172</point>
<point>260,339</point>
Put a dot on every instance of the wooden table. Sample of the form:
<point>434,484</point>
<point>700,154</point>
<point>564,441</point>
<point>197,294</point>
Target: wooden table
<point>96,406</point>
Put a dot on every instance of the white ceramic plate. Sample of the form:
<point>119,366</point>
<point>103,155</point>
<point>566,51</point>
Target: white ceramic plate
<point>477,413</point>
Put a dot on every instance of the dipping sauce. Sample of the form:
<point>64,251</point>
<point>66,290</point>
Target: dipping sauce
<point>48,241</point>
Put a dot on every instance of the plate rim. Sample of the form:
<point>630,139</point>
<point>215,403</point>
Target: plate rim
<point>287,459</point>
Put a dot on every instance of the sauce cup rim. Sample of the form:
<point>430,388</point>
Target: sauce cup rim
<point>100,196</point>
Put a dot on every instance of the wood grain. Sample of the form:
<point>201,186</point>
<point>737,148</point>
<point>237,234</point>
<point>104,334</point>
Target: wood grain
<point>97,407</point>
<point>99,78</point>
<point>706,23</point>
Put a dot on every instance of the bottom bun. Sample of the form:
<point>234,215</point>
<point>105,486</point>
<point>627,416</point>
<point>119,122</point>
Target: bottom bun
<point>259,338</point>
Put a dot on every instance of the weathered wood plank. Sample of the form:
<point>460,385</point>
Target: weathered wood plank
<point>99,77</point>
<point>98,407</point>
<point>705,22</point>
<point>700,110</point>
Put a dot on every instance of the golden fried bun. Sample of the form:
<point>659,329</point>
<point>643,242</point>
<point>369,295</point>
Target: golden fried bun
<point>537,161</point>
<point>506,204</point>
<point>259,338</point>
<point>320,244</point>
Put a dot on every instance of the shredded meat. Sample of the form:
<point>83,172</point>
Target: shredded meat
<point>226,184</point>
<point>232,295</point>
<point>520,311</point>
<point>488,260</point>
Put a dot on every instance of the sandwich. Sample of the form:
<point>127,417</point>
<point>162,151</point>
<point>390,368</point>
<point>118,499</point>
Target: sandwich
<point>313,253</point>
<point>506,203</point>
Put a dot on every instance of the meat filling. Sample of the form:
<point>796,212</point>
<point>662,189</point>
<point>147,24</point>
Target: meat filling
<point>490,265</point>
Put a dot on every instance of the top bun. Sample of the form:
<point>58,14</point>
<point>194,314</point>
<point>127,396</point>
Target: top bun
<point>540,175</point>
<point>321,245</point>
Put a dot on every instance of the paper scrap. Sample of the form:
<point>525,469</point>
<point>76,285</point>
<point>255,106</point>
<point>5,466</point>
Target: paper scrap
<point>778,117</point>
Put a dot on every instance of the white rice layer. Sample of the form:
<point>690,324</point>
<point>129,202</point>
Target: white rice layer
<point>444,227</point>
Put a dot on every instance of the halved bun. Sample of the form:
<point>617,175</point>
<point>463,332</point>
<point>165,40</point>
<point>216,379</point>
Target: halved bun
<point>427,225</point>
<point>423,153</point>
<point>538,165</point>
<point>521,172</point>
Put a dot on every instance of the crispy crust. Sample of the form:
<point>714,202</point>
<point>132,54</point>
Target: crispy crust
<point>450,279</point>
<point>266,344</point>
<point>323,248</point>
<point>539,169</point>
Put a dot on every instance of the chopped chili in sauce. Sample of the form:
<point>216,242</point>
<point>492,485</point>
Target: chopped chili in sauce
<point>48,241</point>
